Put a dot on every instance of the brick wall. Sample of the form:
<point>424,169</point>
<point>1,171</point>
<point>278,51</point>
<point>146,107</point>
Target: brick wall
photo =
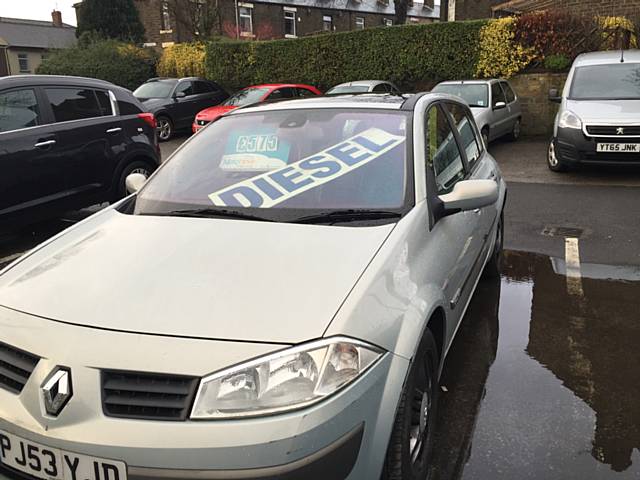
<point>630,8</point>
<point>538,112</point>
<point>473,9</point>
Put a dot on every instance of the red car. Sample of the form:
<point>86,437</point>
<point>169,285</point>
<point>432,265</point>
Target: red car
<point>255,94</point>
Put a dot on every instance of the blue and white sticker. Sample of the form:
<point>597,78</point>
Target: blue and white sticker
<point>254,152</point>
<point>277,186</point>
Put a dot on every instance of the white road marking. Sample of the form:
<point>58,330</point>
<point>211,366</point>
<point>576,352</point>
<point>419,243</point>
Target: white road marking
<point>572,261</point>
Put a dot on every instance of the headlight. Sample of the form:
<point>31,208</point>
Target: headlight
<point>286,380</point>
<point>568,119</point>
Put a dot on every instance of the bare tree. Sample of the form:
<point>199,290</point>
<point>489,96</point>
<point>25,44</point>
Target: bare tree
<point>200,19</point>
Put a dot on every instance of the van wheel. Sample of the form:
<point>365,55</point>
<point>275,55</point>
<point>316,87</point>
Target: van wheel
<point>492,268</point>
<point>515,131</point>
<point>165,128</point>
<point>411,445</point>
<point>553,162</point>
<point>139,166</point>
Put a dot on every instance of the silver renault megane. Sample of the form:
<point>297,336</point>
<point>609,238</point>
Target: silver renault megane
<point>275,302</point>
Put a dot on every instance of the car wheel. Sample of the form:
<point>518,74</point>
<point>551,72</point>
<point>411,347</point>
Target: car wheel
<point>139,166</point>
<point>515,131</point>
<point>410,447</point>
<point>485,136</point>
<point>165,128</point>
<point>553,162</point>
<point>492,269</point>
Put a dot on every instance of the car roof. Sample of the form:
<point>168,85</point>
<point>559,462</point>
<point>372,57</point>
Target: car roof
<point>279,85</point>
<point>607,58</point>
<point>363,83</point>
<point>32,80</point>
<point>472,82</point>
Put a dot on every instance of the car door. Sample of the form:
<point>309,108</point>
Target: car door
<point>29,173</point>
<point>453,236</point>
<point>88,134</point>
<point>499,125</point>
<point>185,104</point>
<point>513,105</point>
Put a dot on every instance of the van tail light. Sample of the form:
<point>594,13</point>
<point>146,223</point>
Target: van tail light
<point>149,118</point>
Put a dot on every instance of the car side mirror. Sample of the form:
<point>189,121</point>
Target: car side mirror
<point>499,106</point>
<point>180,95</point>
<point>554,96</point>
<point>469,195</point>
<point>134,182</point>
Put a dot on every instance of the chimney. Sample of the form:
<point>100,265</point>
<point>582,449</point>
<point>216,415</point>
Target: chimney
<point>56,16</point>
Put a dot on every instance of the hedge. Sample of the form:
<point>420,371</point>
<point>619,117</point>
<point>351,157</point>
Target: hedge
<point>120,63</point>
<point>182,60</point>
<point>409,55</point>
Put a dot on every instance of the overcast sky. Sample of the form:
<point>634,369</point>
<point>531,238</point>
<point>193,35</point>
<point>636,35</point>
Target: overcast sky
<point>38,9</point>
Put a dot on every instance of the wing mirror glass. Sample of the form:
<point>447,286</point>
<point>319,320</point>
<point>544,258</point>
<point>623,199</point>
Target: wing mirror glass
<point>469,195</point>
<point>554,96</point>
<point>134,182</point>
<point>499,105</point>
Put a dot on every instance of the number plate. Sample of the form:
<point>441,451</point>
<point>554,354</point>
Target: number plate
<point>40,461</point>
<point>619,147</point>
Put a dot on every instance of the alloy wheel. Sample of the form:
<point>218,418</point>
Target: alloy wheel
<point>164,128</point>
<point>551,157</point>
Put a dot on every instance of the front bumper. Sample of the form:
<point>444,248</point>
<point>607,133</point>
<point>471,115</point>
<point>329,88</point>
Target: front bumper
<point>573,147</point>
<point>344,437</point>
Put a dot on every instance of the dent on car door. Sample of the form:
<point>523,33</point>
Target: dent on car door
<point>453,235</point>
<point>30,175</point>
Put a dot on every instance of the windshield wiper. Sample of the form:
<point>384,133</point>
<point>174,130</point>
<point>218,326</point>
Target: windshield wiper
<point>215,213</point>
<point>335,216</point>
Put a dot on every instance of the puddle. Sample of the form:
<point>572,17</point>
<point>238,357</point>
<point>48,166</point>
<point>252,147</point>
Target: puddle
<point>544,384</point>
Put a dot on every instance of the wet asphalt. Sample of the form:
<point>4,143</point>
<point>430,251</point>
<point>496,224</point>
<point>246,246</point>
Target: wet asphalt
<point>543,379</point>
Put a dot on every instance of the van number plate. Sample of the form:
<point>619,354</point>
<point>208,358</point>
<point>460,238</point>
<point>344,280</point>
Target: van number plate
<point>619,147</point>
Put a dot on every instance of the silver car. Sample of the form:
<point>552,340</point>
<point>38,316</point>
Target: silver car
<point>598,121</point>
<point>494,104</point>
<point>364,86</point>
<point>275,302</point>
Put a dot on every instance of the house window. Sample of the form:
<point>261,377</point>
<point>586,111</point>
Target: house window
<point>165,18</point>
<point>245,15</point>
<point>327,23</point>
<point>359,23</point>
<point>23,61</point>
<point>387,22</point>
<point>289,24</point>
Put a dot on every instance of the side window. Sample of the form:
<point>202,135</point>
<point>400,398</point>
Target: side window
<point>185,87</point>
<point>128,107</point>
<point>18,109</point>
<point>105,102</point>
<point>497,95</point>
<point>73,103</point>
<point>382,88</point>
<point>303,92</point>
<point>467,132</point>
<point>443,157</point>
<point>204,87</point>
<point>508,91</point>
<point>285,92</point>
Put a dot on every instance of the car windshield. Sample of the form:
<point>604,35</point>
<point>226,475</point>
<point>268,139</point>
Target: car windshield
<point>620,81</point>
<point>283,165</point>
<point>155,89</point>
<point>342,89</point>
<point>475,94</point>
<point>246,97</point>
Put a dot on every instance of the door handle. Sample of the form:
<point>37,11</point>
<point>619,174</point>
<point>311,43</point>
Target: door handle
<point>46,143</point>
<point>114,130</point>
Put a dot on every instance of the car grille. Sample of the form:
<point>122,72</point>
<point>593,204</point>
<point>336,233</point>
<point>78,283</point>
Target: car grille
<point>612,130</point>
<point>147,396</point>
<point>16,366</point>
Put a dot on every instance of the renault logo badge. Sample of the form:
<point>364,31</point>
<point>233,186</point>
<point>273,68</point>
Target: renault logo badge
<point>620,131</point>
<point>57,390</point>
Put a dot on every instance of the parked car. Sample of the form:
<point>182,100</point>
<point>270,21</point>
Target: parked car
<point>312,261</point>
<point>175,102</point>
<point>494,104</point>
<point>365,86</point>
<point>251,95</point>
<point>68,142</point>
<point>599,117</point>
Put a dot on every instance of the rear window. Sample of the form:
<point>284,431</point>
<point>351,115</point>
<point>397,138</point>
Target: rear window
<point>73,103</point>
<point>620,81</point>
<point>288,160</point>
<point>475,94</point>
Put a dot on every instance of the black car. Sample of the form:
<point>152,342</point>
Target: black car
<point>175,102</point>
<point>68,142</point>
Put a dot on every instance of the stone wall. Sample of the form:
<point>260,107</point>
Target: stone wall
<point>630,8</point>
<point>538,112</point>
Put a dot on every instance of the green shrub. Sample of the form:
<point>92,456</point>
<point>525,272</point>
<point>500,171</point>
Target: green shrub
<point>408,55</point>
<point>182,60</point>
<point>557,63</point>
<point>120,63</point>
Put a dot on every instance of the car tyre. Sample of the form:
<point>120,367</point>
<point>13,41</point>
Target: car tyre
<point>411,445</point>
<point>165,128</point>
<point>554,163</point>
<point>139,166</point>
<point>485,136</point>
<point>515,131</point>
<point>492,268</point>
